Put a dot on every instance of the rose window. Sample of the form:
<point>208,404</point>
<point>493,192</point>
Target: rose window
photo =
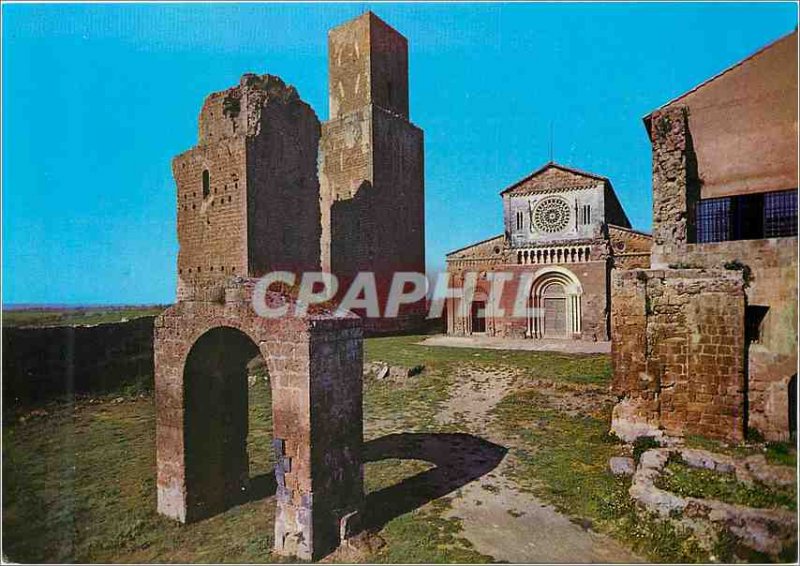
<point>551,215</point>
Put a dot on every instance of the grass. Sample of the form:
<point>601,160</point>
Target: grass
<point>78,476</point>
<point>404,350</point>
<point>78,486</point>
<point>425,536</point>
<point>779,453</point>
<point>708,484</point>
<point>564,460</point>
<point>75,316</point>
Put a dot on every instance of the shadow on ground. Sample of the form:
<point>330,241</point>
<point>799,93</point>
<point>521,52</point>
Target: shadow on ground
<point>261,486</point>
<point>459,459</point>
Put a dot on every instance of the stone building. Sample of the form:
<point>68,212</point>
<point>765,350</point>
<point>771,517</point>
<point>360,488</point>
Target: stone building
<point>565,230</point>
<point>705,342</point>
<point>269,188</point>
<point>372,165</point>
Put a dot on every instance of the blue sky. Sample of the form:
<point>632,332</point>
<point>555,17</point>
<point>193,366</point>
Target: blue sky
<point>97,99</point>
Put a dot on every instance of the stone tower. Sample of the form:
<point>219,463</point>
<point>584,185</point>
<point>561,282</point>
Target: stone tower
<point>371,163</point>
<point>248,194</point>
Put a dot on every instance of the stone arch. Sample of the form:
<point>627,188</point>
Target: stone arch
<point>215,420</point>
<point>554,283</point>
<point>315,364</point>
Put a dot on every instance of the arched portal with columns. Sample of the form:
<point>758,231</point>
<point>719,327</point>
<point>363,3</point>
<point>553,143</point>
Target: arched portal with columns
<point>554,305</point>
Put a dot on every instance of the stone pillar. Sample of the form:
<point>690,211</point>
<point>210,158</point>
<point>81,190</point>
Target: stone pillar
<point>675,185</point>
<point>315,367</point>
<point>678,353</point>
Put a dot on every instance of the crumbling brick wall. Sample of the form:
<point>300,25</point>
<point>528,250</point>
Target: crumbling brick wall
<point>248,194</point>
<point>678,352</point>
<point>770,267</point>
<point>315,367</point>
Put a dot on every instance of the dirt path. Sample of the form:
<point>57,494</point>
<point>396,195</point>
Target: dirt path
<point>493,343</point>
<point>499,519</point>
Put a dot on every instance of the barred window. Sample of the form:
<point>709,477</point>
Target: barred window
<point>780,214</point>
<point>714,220</point>
<point>747,217</point>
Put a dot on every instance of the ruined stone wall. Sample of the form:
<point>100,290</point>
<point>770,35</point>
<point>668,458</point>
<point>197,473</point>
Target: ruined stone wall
<point>259,208</point>
<point>212,235</point>
<point>314,364</point>
<point>770,265</point>
<point>336,360</point>
<point>676,188</point>
<point>283,210</point>
<point>40,364</point>
<point>630,249</point>
<point>398,170</point>
<point>345,173</point>
<point>678,352</point>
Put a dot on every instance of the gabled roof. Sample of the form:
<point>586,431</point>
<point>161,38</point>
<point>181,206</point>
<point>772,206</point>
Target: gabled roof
<point>630,231</point>
<point>550,166</point>
<point>736,65</point>
<point>500,238</point>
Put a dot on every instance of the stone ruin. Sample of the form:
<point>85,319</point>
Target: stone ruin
<point>315,367</point>
<point>269,188</point>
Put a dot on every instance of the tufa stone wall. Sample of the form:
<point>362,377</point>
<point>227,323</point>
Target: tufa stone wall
<point>248,195</point>
<point>678,353</point>
<point>315,367</point>
<point>43,363</point>
<point>372,165</point>
<point>676,188</point>
<point>769,267</point>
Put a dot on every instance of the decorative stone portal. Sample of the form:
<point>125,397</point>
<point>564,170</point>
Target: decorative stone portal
<point>555,304</point>
<point>315,364</point>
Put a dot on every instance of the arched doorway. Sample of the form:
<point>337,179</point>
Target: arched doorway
<point>201,353</point>
<point>215,382</point>
<point>554,305</point>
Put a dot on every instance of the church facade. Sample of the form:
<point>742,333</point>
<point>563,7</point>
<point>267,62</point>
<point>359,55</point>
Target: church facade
<point>547,276</point>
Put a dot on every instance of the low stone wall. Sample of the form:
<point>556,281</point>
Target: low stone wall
<point>43,363</point>
<point>678,352</point>
<point>765,530</point>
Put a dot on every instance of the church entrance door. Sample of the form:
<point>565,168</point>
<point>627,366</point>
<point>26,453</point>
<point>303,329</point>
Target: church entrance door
<point>555,317</point>
<point>478,317</point>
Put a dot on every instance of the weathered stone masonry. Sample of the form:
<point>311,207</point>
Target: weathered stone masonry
<point>668,328</point>
<point>689,354</point>
<point>315,366</point>
<point>266,189</point>
<point>372,165</point>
